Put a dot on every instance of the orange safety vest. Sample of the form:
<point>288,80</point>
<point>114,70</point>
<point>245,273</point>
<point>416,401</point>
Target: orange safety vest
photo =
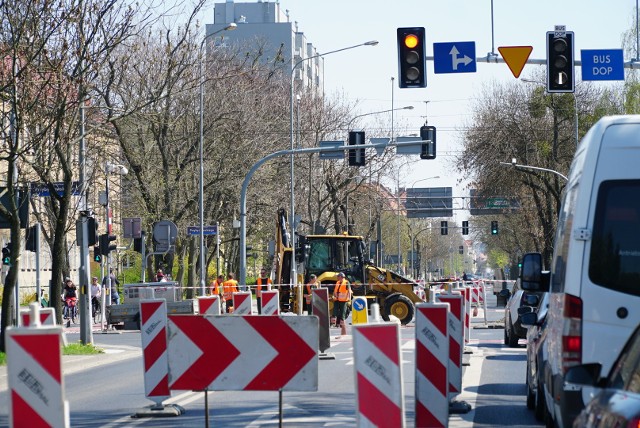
<point>308,296</point>
<point>260,284</point>
<point>341,290</point>
<point>216,286</point>
<point>229,287</point>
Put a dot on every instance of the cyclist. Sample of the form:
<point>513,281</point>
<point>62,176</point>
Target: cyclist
<point>70,296</point>
<point>95,295</point>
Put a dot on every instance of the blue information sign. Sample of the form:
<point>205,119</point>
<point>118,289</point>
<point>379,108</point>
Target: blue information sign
<point>206,230</point>
<point>454,57</point>
<point>602,64</point>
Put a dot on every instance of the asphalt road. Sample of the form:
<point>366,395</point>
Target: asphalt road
<point>106,390</point>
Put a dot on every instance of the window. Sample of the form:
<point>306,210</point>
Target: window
<point>615,245</point>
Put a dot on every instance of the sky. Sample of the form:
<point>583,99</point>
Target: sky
<point>365,73</point>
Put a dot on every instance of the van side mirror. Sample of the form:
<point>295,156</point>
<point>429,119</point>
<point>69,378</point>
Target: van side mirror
<point>528,319</point>
<point>531,273</point>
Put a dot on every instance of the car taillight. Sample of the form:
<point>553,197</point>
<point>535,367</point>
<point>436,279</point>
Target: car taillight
<point>572,332</point>
<point>634,422</point>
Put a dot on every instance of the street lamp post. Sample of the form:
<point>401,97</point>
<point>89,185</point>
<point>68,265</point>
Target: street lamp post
<point>292,217</point>
<point>413,242</point>
<point>231,26</point>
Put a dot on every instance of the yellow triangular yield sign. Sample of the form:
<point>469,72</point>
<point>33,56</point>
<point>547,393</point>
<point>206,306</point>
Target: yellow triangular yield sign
<point>515,57</point>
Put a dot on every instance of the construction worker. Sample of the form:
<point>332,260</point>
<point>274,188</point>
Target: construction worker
<point>341,298</point>
<point>263,279</point>
<point>229,287</point>
<point>313,283</point>
<point>216,285</point>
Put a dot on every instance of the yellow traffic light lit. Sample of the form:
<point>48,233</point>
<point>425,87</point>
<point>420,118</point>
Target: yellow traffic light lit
<point>411,41</point>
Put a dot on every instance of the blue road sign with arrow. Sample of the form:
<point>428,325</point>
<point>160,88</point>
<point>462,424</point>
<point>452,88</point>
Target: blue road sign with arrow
<point>454,57</point>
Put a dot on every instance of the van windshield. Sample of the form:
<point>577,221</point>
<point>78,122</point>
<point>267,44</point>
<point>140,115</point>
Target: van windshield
<point>615,247</point>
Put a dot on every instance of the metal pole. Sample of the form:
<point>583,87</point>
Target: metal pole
<point>38,288</point>
<point>203,278</point>
<point>217,249</point>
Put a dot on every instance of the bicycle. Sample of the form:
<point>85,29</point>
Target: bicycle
<point>96,310</point>
<point>70,310</point>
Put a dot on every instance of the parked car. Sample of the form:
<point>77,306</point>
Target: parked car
<point>594,301</point>
<point>617,403</point>
<point>535,322</point>
<point>520,301</point>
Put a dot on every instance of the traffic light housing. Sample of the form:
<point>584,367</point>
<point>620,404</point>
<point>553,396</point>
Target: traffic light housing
<point>494,227</point>
<point>428,149</point>
<point>356,156</point>
<point>31,239</point>
<point>92,231</point>
<point>97,256</point>
<point>105,246</point>
<point>444,228</point>
<point>560,62</point>
<point>6,254</point>
<point>412,71</point>
<point>465,227</point>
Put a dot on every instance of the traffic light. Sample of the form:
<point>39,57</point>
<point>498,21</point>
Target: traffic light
<point>92,231</point>
<point>412,71</point>
<point>428,150</point>
<point>105,247</point>
<point>461,249</point>
<point>494,227</point>
<point>6,254</point>
<point>356,156</point>
<point>444,229</point>
<point>31,239</point>
<point>560,65</point>
<point>97,256</point>
<point>465,227</point>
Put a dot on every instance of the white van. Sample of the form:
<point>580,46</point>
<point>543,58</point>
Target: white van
<point>594,303</point>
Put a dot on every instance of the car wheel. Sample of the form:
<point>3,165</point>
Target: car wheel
<point>531,396</point>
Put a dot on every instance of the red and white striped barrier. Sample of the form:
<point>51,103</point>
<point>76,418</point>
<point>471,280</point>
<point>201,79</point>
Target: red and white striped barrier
<point>47,317</point>
<point>475,296</point>
<point>34,372</point>
<point>209,305</point>
<point>270,302</point>
<point>242,303</point>
<point>153,332</point>
<point>432,360</point>
<point>376,351</point>
<point>456,339</point>
<point>465,312</point>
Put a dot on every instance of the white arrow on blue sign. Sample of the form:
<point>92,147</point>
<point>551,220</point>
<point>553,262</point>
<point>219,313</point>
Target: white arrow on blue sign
<point>602,64</point>
<point>206,230</point>
<point>454,57</point>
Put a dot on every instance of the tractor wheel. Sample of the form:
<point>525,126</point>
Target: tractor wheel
<point>399,306</point>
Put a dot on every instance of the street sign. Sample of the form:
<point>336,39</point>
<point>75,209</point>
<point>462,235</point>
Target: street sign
<point>206,230</point>
<point>41,189</point>
<point>602,64</point>
<point>516,57</point>
<point>132,227</point>
<point>243,353</point>
<point>164,235</point>
<point>454,57</point>
<point>338,154</point>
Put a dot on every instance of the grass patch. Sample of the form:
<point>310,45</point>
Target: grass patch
<point>80,349</point>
